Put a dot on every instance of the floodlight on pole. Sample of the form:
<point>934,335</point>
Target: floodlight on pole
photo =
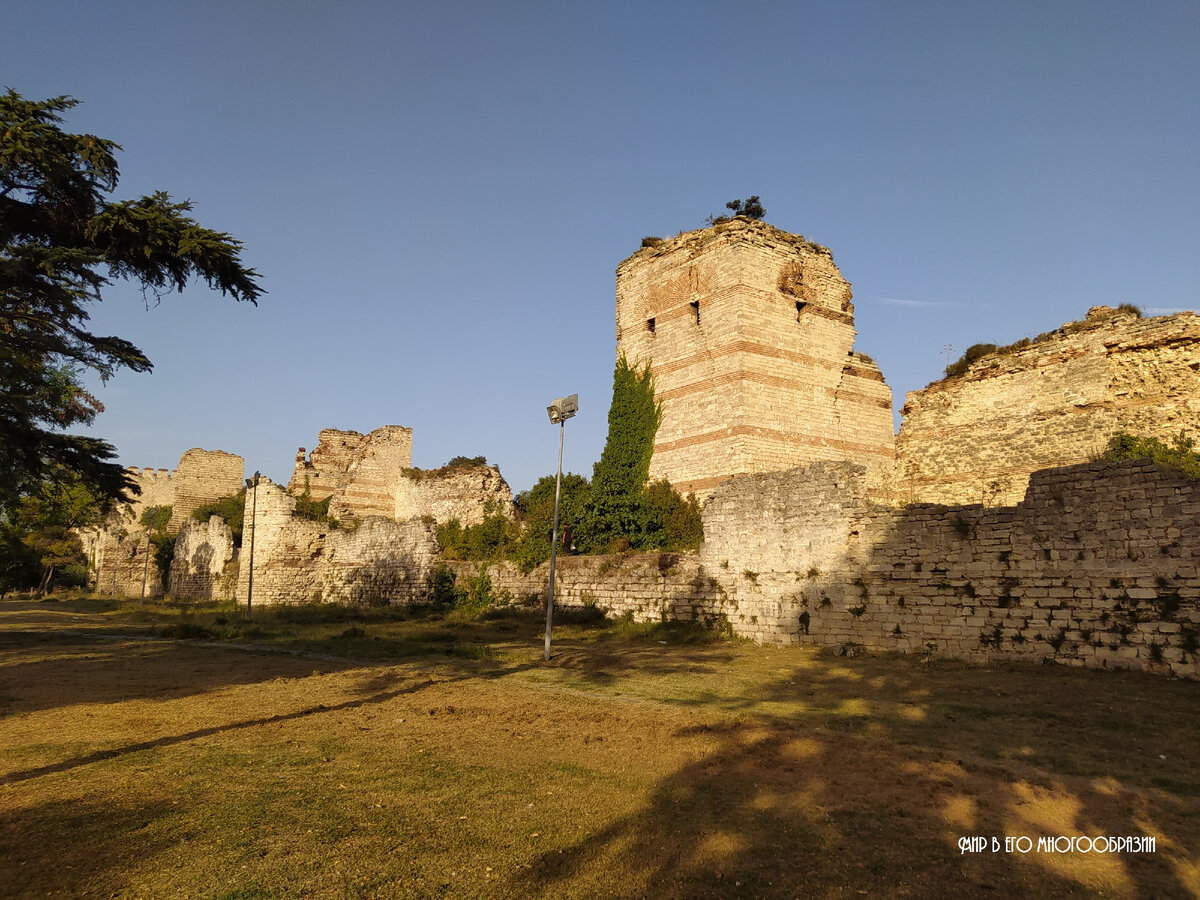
<point>252,484</point>
<point>559,411</point>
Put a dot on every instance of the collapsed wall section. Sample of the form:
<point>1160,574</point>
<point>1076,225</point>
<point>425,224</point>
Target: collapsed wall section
<point>977,437</point>
<point>358,473</point>
<point>297,560</point>
<point>201,566</point>
<point>467,493</point>
<point>749,331</point>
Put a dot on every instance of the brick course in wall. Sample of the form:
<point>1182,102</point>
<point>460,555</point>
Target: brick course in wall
<point>749,331</point>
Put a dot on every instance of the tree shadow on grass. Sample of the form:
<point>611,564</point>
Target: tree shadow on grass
<point>844,800</point>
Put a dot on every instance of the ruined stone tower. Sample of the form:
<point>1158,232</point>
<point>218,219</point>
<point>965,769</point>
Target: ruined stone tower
<point>749,331</point>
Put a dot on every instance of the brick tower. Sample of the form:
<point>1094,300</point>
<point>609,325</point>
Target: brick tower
<point>749,332</point>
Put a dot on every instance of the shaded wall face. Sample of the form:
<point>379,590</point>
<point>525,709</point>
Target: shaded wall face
<point>750,350</point>
<point>977,438</point>
<point>203,550</point>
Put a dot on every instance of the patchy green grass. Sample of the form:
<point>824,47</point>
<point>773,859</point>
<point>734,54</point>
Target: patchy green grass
<point>383,753</point>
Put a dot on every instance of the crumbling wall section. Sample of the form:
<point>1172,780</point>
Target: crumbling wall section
<point>467,493</point>
<point>359,473</point>
<point>202,477</point>
<point>120,562</point>
<point>977,437</point>
<point>203,550</point>
<point>297,560</point>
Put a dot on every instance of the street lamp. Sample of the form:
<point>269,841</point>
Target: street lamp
<point>252,484</point>
<point>560,410</point>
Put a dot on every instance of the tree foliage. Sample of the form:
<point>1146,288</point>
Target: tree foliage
<point>1179,454</point>
<point>751,208</point>
<point>38,535</point>
<point>62,241</point>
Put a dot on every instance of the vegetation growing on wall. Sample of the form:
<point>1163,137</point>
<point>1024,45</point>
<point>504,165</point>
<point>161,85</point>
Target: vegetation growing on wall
<point>155,520</point>
<point>977,351</point>
<point>456,464</point>
<point>231,510</point>
<point>1179,454</point>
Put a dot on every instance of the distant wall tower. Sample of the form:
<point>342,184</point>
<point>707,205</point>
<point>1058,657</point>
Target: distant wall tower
<point>749,331</point>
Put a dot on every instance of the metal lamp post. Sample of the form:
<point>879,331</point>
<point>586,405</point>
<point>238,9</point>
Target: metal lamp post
<point>252,484</point>
<point>560,410</point>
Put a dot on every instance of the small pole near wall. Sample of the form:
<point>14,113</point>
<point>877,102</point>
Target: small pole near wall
<point>146,567</point>
<point>560,410</point>
<point>252,484</point>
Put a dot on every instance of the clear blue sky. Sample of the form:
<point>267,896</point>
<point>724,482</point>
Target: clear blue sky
<point>437,194</point>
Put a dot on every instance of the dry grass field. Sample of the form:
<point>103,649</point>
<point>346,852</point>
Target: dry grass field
<point>336,753</point>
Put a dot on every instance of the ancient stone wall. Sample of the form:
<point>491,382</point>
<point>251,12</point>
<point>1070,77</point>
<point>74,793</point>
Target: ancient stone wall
<point>158,489</point>
<point>749,331</point>
<point>202,477</point>
<point>358,472</point>
<point>976,438</point>
<point>466,493</point>
<point>651,587</point>
<point>118,564</point>
<point>297,560</point>
<point>203,553</point>
<point>1098,566</point>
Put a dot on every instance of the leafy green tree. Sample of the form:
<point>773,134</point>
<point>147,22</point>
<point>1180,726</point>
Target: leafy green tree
<point>752,208</point>
<point>1179,454</point>
<point>61,242</point>
<point>536,507</point>
<point>43,527</point>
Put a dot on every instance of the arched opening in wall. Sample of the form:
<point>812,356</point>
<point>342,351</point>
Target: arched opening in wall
<point>650,325</point>
<point>695,305</point>
<point>800,304</point>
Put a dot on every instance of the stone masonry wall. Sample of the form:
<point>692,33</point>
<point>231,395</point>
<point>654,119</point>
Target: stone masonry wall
<point>649,586</point>
<point>202,477</point>
<point>118,564</point>
<point>749,331</point>
<point>465,493</point>
<point>297,560</point>
<point>1098,566</point>
<point>203,550</point>
<point>358,472</point>
<point>977,438</point>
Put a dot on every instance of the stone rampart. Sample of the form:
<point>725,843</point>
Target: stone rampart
<point>297,560</point>
<point>977,437</point>
<point>359,473</point>
<point>203,553</point>
<point>202,477</point>
<point>119,564</point>
<point>467,493</point>
<point>1099,565</point>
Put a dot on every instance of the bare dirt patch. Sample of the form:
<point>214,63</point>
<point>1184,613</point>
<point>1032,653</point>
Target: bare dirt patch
<point>626,767</point>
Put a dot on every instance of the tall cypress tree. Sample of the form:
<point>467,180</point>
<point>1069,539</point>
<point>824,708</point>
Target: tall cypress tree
<point>620,476</point>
